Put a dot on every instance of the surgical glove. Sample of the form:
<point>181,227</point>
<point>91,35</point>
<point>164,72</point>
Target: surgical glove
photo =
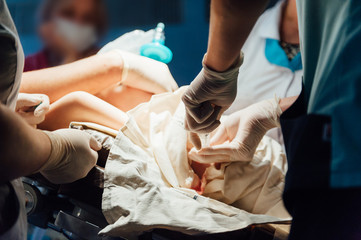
<point>73,155</point>
<point>130,41</point>
<point>238,136</point>
<point>146,74</point>
<point>32,107</point>
<point>208,96</point>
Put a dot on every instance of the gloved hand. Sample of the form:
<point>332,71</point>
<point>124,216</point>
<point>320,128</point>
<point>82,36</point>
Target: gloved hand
<point>32,107</point>
<point>145,73</point>
<point>238,136</point>
<point>73,155</point>
<point>130,41</point>
<point>208,96</point>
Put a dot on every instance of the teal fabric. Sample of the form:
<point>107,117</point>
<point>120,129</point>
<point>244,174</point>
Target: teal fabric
<point>331,56</point>
<point>276,55</point>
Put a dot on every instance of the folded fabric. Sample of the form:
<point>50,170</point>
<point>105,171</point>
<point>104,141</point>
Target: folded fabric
<point>150,183</point>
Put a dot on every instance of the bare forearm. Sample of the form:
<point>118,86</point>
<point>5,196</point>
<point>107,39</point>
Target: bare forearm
<point>144,84</point>
<point>23,149</point>
<point>287,102</point>
<point>230,24</point>
<point>91,75</point>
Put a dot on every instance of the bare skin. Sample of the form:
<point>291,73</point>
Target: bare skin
<point>289,24</point>
<point>285,103</point>
<point>82,107</point>
<point>289,33</point>
<point>92,75</point>
<point>124,97</point>
<point>230,24</point>
<point>98,76</point>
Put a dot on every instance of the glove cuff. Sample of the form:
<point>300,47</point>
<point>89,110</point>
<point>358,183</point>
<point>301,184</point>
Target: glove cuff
<point>57,151</point>
<point>278,111</point>
<point>229,75</point>
<point>125,69</point>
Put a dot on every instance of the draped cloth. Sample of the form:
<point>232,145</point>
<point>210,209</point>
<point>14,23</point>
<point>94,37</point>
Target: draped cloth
<point>148,179</point>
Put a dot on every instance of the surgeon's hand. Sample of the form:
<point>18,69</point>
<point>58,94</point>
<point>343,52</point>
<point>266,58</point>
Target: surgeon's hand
<point>130,41</point>
<point>238,136</point>
<point>208,96</point>
<point>32,107</point>
<point>73,155</point>
<point>146,73</point>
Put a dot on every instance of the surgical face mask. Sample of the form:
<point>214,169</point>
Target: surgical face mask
<point>81,37</point>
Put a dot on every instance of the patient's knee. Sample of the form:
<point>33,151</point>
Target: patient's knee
<point>76,98</point>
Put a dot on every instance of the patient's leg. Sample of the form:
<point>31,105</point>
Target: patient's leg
<point>82,107</point>
<point>124,97</point>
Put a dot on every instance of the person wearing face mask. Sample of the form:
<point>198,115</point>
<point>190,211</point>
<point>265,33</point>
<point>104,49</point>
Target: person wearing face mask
<point>70,30</point>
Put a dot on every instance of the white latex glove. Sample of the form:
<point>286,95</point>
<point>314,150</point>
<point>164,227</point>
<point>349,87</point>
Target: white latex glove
<point>146,74</point>
<point>208,96</point>
<point>239,134</point>
<point>130,41</point>
<point>73,155</point>
<point>32,107</point>
<point>140,72</point>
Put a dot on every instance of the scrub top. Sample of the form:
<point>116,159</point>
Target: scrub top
<point>266,70</point>
<point>13,221</point>
<point>331,52</point>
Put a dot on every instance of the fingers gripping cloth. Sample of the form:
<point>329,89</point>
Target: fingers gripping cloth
<point>71,156</point>
<point>240,133</point>
<point>150,167</point>
<point>209,95</point>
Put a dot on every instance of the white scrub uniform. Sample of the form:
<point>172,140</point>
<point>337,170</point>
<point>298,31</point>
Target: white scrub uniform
<point>266,70</point>
<point>9,89</point>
